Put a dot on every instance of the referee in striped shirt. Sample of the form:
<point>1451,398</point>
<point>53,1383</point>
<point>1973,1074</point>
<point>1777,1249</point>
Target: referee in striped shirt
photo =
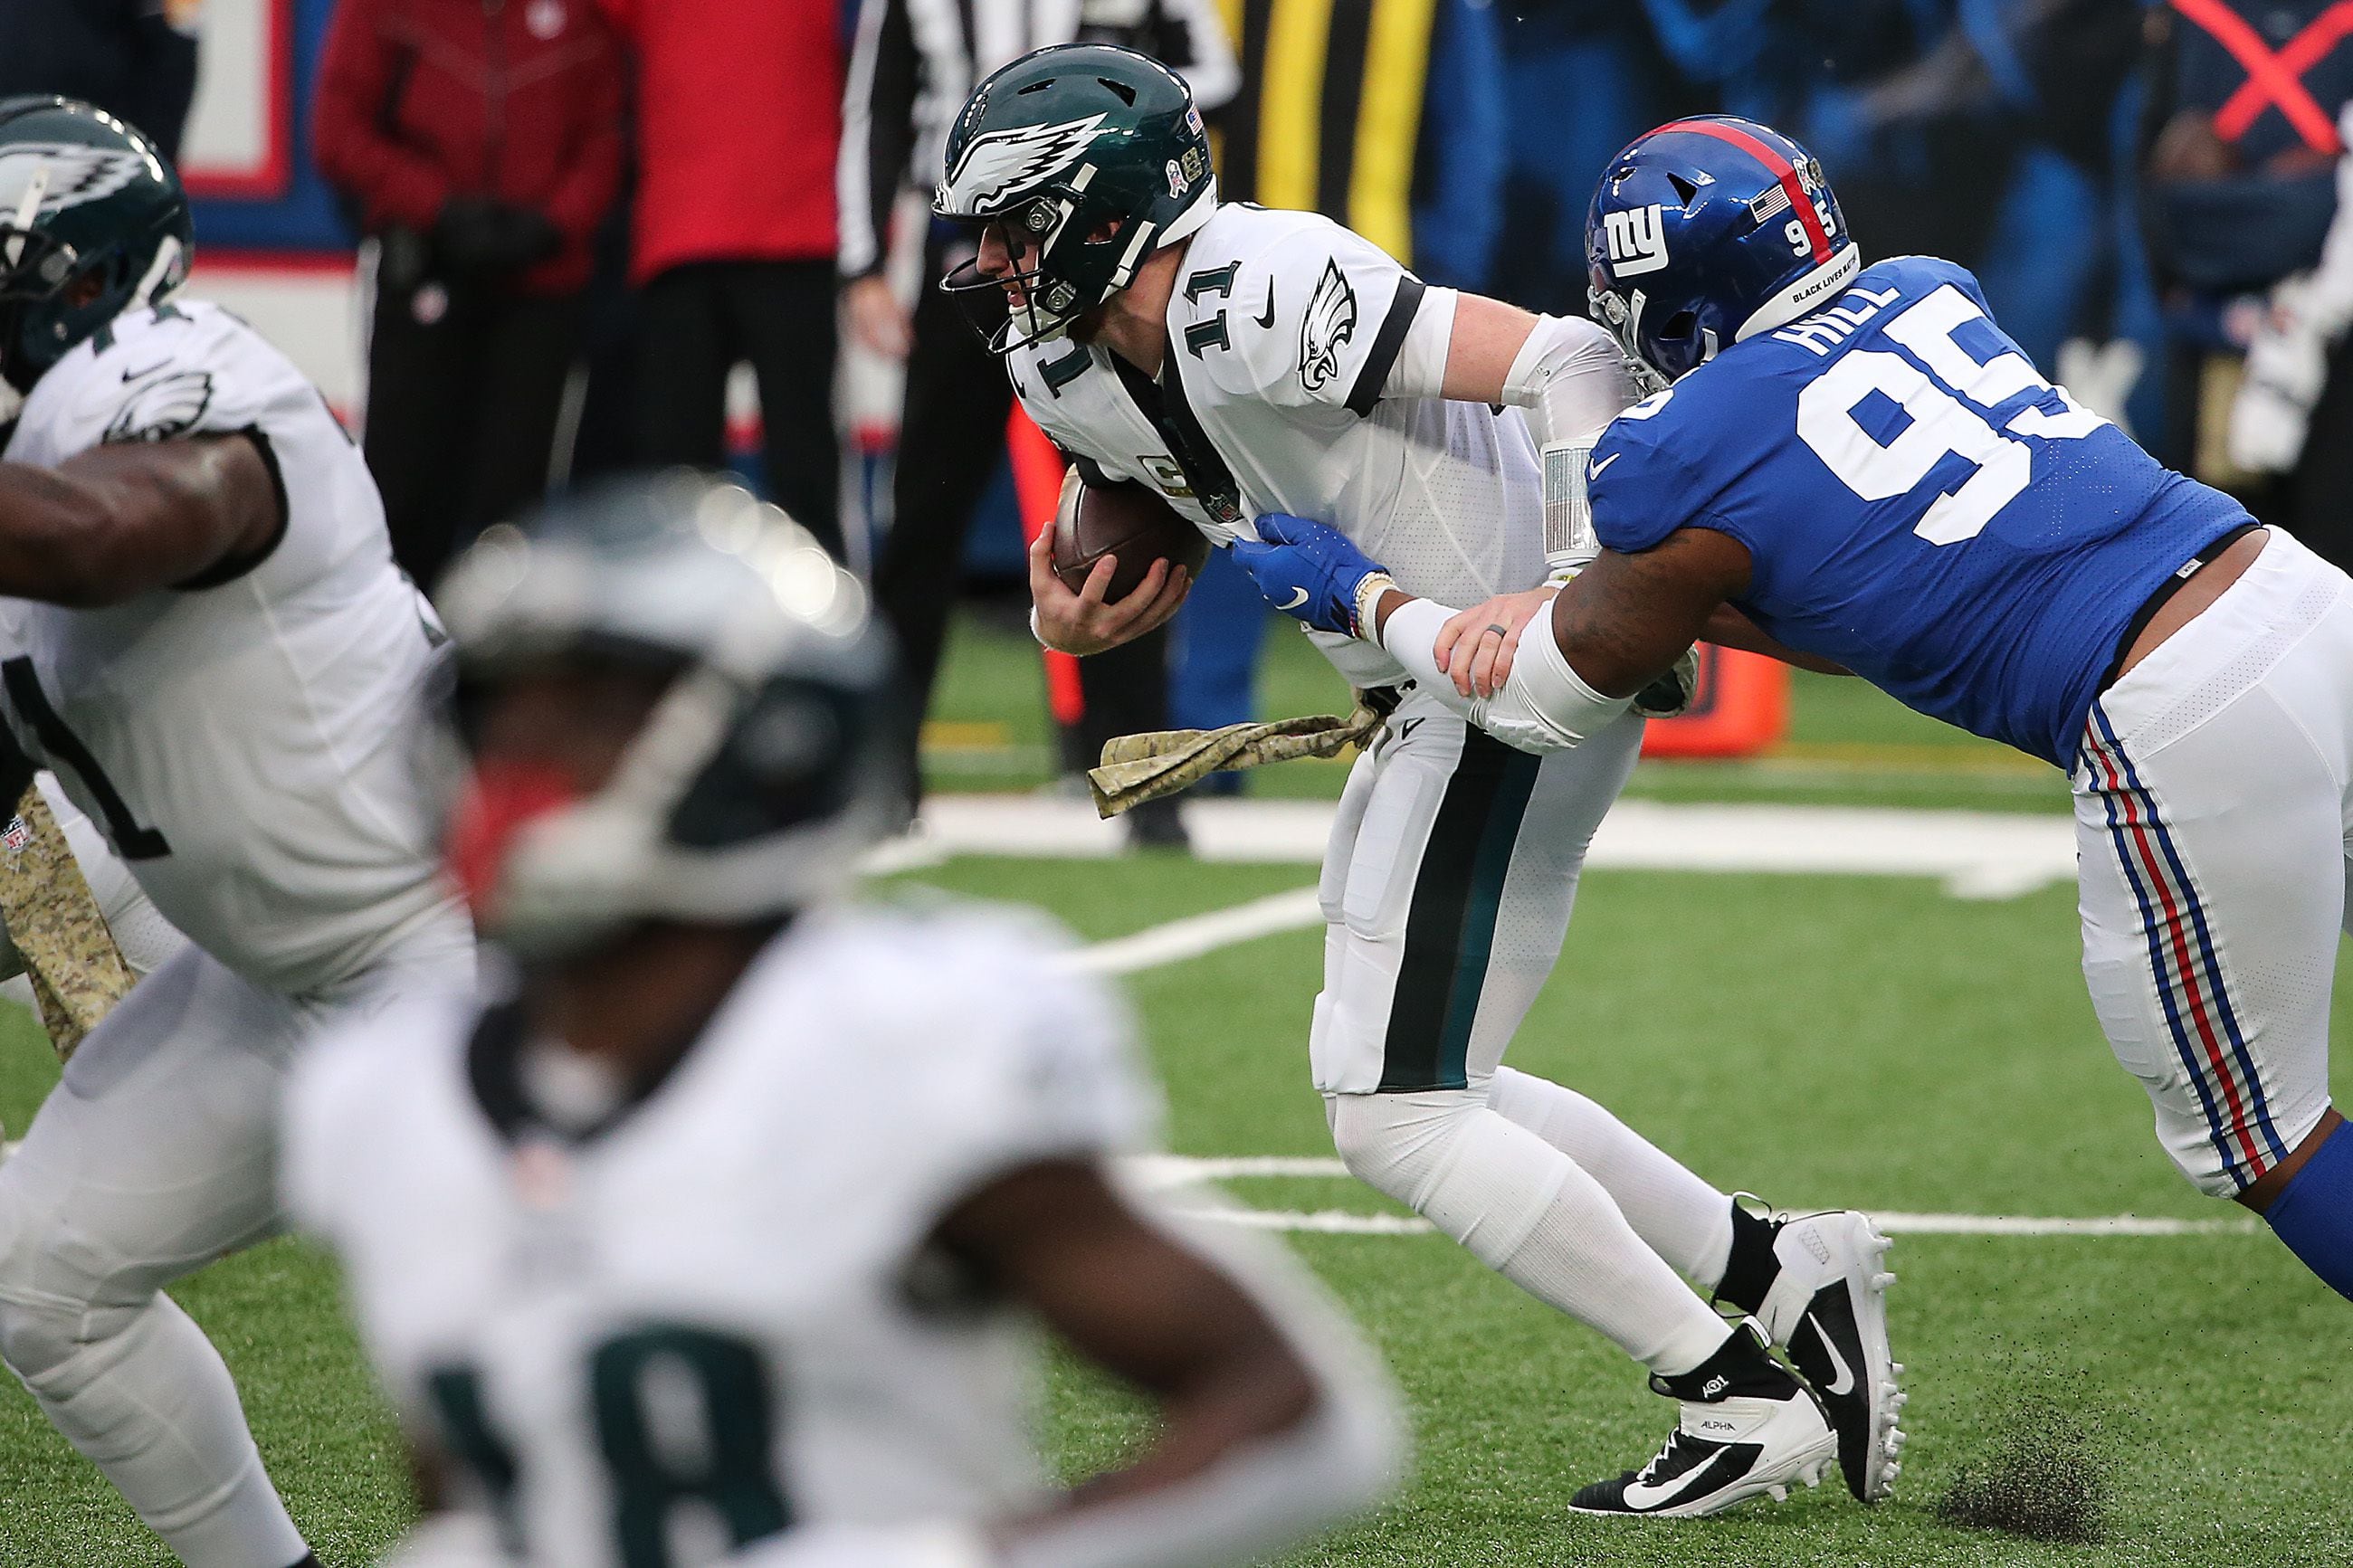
<point>912,65</point>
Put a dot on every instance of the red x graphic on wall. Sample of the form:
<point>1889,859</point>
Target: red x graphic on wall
<point>2274,80</point>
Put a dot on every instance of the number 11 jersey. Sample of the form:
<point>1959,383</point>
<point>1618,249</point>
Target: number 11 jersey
<point>1918,503</point>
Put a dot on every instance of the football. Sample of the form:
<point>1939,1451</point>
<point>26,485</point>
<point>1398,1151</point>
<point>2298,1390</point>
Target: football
<point>1128,520</point>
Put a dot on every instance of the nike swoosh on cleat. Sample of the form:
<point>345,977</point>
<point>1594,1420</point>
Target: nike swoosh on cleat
<point>1298,597</point>
<point>1683,1486</point>
<point>1843,1384</point>
<point>1267,319</point>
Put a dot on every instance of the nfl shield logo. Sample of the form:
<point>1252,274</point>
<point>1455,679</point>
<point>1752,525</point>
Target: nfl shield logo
<point>16,836</point>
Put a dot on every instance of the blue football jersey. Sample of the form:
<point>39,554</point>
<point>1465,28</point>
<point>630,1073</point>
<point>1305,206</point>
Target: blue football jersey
<point>1920,505</point>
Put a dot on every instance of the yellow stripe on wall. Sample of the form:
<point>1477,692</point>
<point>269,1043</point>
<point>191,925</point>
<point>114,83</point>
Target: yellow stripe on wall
<point>1388,122</point>
<point>1289,103</point>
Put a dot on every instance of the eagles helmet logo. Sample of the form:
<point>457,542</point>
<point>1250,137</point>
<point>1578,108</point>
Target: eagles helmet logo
<point>1331,321</point>
<point>75,174</point>
<point>1006,163</point>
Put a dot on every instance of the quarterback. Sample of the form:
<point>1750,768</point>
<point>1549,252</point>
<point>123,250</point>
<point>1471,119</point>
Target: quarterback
<point>1245,362</point>
<point>1859,460</point>
<point>717,1240</point>
<point>202,636</point>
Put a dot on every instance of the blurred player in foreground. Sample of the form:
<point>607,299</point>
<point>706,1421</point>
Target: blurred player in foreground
<point>719,1237</point>
<point>205,638</point>
<point>1856,459</point>
<point>1243,361</point>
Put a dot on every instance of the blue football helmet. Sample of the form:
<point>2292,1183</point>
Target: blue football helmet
<point>1707,230</point>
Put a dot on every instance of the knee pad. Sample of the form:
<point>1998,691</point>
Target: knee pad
<point>38,1336</point>
<point>1398,1144</point>
<point>48,1312</point>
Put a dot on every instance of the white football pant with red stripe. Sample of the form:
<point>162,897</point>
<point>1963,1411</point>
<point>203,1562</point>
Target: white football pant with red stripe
<point>2214,824</point>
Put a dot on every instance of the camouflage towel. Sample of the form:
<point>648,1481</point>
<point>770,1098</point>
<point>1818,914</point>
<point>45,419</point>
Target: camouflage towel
<point>1137,768</point>
<point>76,971</point>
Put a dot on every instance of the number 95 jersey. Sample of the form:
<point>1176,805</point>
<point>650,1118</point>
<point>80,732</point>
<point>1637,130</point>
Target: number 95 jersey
<point>1918,503</point>
<point>251,741</point>
<point>717,1311</point>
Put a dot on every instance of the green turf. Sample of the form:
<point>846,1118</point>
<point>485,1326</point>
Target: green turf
<point>1817,1039</point>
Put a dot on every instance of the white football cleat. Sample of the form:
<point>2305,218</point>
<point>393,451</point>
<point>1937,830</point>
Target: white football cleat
<point>1828,1308</point>
<point>1749,1428</point>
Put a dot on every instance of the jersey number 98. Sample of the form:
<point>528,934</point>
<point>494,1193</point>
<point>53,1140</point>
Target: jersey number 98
<point>1941,423</point>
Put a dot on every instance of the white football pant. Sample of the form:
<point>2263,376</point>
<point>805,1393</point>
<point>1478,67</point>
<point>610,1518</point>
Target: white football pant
<point>152,1158</point>
<point>2214,825</point>
<point>1447,890</point>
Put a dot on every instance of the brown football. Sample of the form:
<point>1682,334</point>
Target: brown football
<point>1128,520</point>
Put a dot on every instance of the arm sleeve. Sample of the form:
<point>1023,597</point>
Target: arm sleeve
<point>592,174</point>
<point>392,182</point>
<point>878,131</point>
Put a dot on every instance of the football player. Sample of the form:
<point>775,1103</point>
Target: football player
<point>718,1237</point>
<point>203,635</point>
<point>1243,361</point>
<point>1858,459</point>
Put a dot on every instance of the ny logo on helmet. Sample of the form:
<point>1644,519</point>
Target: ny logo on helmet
<point>1637,243</point>
<point>1007,163</point>
<point>72,174</point>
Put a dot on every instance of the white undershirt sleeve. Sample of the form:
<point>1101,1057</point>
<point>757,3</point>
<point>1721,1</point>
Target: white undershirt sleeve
<point>1420,369</point>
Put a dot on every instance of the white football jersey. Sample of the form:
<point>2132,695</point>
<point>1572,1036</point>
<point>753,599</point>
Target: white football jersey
<point>1284,329</point>
<point>250,747</point>
<point>719,1313</point>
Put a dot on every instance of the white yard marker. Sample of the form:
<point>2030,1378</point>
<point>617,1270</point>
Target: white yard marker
<point>1197,934</point>
<point>1162,1173</point>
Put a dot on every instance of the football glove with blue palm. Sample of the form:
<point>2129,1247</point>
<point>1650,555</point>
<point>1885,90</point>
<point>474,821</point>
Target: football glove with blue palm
<point>1306,570</point>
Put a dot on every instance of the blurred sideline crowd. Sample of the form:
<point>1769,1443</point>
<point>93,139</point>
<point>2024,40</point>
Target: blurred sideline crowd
<point>582,216</point>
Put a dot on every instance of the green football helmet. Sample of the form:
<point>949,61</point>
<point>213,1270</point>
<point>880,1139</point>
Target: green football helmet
<point>84,200</point>
<point>1096,155</point>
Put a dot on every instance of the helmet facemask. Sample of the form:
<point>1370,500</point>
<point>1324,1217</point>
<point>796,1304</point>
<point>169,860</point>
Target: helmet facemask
<point>1076,163</point>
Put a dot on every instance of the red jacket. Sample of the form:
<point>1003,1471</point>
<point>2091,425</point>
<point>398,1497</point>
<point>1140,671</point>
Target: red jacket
<point>739,118</point>
<point>519,100</point>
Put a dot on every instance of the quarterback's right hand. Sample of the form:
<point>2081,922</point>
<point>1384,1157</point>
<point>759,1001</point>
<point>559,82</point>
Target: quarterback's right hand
<point>1081,623</point>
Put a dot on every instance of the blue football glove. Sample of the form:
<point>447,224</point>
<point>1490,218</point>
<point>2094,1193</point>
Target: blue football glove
<point>1306,570</point>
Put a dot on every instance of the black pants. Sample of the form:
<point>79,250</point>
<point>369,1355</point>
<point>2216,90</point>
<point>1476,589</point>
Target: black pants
<point>464,386</point>
<point>698,321</point>
<point>2319,493</point>
<point>951,435</point>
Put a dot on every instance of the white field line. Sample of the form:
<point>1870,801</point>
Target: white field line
<point>1176,1172</point>
<point>1198,934</point>
<point>1975,855</point>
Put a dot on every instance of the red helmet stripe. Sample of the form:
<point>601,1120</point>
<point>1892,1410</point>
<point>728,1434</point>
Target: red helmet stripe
<point>1775,164</point>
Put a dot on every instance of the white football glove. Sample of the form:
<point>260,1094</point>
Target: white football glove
<point>2287,365</point>
<point>1670,696</point>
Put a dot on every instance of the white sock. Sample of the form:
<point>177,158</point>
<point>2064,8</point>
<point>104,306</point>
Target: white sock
<point>1528,1212</point>
<point>1684,1219</point>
